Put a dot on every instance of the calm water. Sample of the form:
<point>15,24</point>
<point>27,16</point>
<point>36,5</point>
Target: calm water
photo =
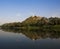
<point>28,40</point>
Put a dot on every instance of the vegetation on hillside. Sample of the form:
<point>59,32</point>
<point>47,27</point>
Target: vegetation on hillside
<point>35,22</point>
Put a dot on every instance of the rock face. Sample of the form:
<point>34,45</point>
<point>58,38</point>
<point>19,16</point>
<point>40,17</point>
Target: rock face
<point>32,19</point>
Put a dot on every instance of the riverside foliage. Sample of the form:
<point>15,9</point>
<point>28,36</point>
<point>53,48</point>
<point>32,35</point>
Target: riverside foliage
<point>35,22</point>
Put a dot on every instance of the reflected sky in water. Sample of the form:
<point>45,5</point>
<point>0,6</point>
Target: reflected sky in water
<point>11,40</point>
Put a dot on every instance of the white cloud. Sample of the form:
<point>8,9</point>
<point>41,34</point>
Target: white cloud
<point>18,14</point>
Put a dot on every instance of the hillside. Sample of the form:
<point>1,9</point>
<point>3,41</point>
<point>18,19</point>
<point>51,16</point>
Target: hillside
<point>34,22</point>
<point>32,19</point>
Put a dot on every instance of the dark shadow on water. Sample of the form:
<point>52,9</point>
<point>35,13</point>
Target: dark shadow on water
<point>36,34</point>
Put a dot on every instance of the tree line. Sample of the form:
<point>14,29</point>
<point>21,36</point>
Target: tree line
<point>34,21</point>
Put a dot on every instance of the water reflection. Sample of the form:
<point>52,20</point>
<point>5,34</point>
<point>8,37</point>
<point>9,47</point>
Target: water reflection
<point>36,34</point>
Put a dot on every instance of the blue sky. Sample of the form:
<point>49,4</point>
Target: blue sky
<point>19,10</point>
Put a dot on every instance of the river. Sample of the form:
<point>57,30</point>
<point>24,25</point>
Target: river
<point>19,40</point>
